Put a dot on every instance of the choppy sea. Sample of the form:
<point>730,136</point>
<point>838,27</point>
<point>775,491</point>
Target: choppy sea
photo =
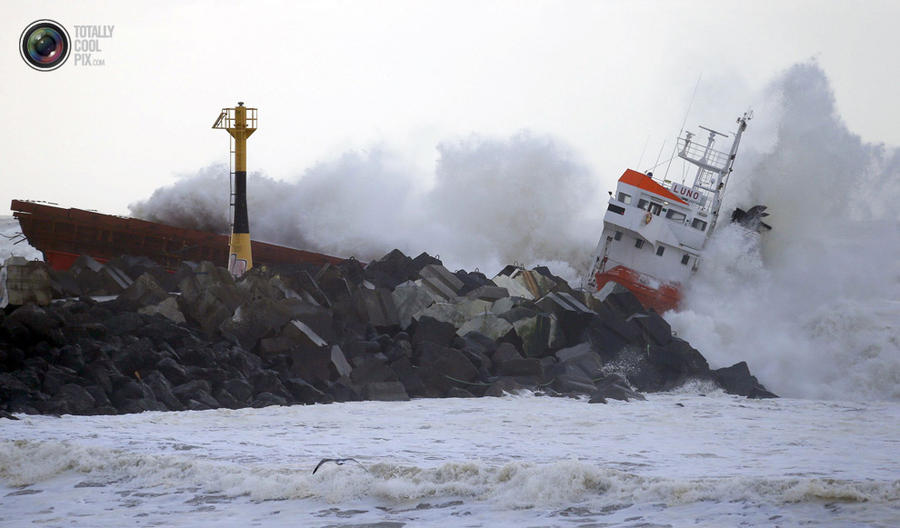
<point>677,459</point>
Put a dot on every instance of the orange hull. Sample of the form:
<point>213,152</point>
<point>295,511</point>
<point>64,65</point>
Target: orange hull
<point>64,234</point>
<point>661,299</point>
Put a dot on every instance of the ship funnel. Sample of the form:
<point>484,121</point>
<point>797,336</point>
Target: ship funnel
<point>240,122</point>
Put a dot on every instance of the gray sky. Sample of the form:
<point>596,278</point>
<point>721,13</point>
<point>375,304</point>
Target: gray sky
<point>605,77</point>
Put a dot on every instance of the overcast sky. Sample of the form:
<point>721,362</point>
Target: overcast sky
<point>605,77</point>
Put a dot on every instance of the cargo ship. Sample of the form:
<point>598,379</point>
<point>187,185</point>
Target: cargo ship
<point>63,234</point>
<point>654,230</point>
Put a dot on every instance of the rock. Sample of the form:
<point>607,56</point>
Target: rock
<point>409,299</point>
<point>266,399</point>
<point>55,377</point>
<point>597,398</point>
<point>535,333</point>
<point>342,390</point>
<point>63,284</point>
<point>162,390</point>
<point>167,308</point>
<point>377,308</point>
<point>503,386</point>
<point>4,414</point>
<point>303,392</point>
<point>173,371</point>
<point>312,365</point>
<point>372,369</point>
<point>226,399</point>
<point>339,362</point>
<point>600,296</point>
<point>737,379</point>
<point>208,297</point>
<point>655,327</point>
<point>506,352</point>
<point>456,392</point>
<point>521,367</point>
<point>407,375</point>
<point>615,387</point>
<point>428,329</point>
<point>72,357</point>
<point>444,312</point>
<point>35,324</point>
<point>78,400</point>
<point>572,316</point>
<point>624,303</point>
<point>488,293</point>
<point>486,324</point>
<point>472,281</point>
<point>268,381</point>
<point>138,356</point>
<point>144,291</point>
<point>196,390</point>
<point>124,323</point>
<point>440,283</point>
<point>385,391</point>
<point>390,270</point>
<point>448,361</point>
<point>524,283</point>
<point>240,389</point>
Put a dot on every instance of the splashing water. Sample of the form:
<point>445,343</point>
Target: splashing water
<point>815,307</point>
<point>489,202</point>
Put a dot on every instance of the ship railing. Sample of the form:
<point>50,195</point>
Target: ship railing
<point>702,155</point>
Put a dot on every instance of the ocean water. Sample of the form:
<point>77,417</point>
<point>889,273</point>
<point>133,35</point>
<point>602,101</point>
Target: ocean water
<point>677,459</point>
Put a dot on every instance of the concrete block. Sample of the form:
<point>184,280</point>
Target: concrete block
<point>488,293</point>
<point>22,282</point>
<point>377,307</point>
<point>487,324</point>
<point>440,282</point>
<point>409,299</point>
<point>525,283</point>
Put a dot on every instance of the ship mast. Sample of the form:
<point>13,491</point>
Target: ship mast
<point>713,166</point>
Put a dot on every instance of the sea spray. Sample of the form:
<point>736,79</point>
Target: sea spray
<point>489,202</point>
<point>814,307</point>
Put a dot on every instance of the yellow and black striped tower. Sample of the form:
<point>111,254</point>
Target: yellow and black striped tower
<point>240,122</point>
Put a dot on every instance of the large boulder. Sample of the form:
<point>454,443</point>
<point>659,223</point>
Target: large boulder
<point>737,379</point>
<point>409,299</point>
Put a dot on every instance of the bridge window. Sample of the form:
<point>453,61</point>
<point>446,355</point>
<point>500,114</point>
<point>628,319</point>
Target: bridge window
<point>685,258</point>
<point>639,243</point>
<point>642,204</point>
<point>675,215</point>
<point>660,250</point>
<point>655,208</point>
<point>618,235</point>
<point>698,224</point>
<point>625,198</point>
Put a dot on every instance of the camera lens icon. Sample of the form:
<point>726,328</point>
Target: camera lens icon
<point>44,45</point>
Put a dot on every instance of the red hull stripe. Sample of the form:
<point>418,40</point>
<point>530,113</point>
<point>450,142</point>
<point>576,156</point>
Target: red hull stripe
<point>661,299</point>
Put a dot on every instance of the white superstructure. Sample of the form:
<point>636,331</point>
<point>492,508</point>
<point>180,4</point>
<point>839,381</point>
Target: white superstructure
<point>655,230</point>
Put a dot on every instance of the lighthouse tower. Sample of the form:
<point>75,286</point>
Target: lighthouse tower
<point>240,122</point>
